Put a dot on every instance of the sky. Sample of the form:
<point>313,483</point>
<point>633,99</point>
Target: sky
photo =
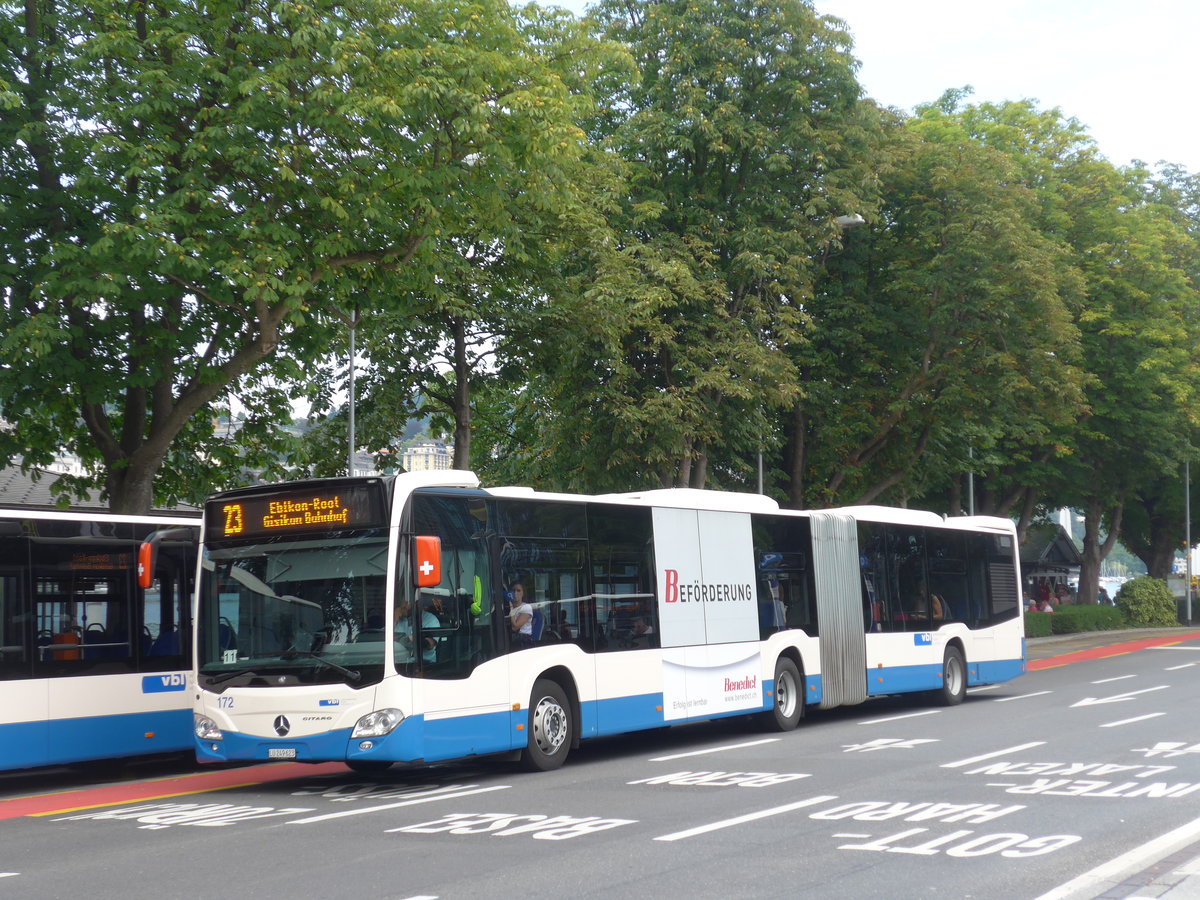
<point>1127,71</point>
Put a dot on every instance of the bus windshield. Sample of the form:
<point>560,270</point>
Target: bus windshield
<point>286,612</point>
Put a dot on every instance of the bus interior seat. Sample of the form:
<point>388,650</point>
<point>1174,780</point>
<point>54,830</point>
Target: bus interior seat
<point>95,634</point>
<point>166,644</point>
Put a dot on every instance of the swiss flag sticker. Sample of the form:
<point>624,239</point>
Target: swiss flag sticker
<point>428,558</point>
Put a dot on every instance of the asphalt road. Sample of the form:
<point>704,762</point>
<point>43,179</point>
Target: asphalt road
<point>1079,779</point>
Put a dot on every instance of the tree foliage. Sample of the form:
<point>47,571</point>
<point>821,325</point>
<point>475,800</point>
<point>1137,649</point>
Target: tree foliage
<point>193,192</point>
<point>602,253</point>
<point>1147,603</point>
<point>739,136</point>
<point>942,336</point>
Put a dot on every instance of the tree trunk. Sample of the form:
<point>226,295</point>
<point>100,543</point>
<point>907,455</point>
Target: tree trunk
<point>1094,551</point>
<point>795,461</point>
<point>1027,506</point>
<point>131,489</point>
<point>955,504</point>
<point>683,474</point>
<point>1160,555</point>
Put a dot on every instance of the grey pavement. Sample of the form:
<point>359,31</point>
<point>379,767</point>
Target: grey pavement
<point>1175,876</point>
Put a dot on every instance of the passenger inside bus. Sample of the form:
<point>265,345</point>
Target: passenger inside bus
<point>403,633</point>
<point>520,615</point>
<point>922,606</point>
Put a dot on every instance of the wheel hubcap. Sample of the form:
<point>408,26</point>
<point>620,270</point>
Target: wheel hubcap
<point>785,694</point>
<point>954,676</point>
<point>549,725</point>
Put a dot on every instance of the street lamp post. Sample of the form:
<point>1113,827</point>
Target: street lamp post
<point>1187,535</point>
<point>350,436</point>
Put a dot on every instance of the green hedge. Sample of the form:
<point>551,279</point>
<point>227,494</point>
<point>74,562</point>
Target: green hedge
<point>1038,624</point>
<point>1073,620</point>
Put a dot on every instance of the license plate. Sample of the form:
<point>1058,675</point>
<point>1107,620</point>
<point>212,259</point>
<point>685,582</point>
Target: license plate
<point>281,753</point>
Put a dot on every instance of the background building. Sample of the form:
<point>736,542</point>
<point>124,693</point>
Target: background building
<point>424,456</point>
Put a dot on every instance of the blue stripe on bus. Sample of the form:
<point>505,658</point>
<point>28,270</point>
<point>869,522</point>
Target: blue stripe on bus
<point>814,689</point>
<point>928,677</point>
<point>903,679</point>
<point>617,714</point>
<point>63,741</point>
<point>236,746</point>
<point>23,745</point>
<point>471,735</point>
<point>420,739</point>
<point>994,671</point>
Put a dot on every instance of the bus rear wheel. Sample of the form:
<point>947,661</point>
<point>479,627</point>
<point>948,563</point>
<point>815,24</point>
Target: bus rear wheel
<point>788,708</point>
<point>954,678</point>
<point>549,727</point>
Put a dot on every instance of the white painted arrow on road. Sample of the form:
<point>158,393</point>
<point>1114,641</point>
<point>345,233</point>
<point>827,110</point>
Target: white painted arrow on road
<point>1117,698</point>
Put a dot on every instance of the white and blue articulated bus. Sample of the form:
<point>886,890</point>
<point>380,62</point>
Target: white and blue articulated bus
<point>418,617</point>
<point>95,636</point>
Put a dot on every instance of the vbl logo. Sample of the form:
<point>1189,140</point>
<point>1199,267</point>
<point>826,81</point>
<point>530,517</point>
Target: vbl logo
<point>161,684</point>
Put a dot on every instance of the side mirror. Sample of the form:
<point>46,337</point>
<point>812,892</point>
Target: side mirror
<point>147,557</point>
<point>427,560</point>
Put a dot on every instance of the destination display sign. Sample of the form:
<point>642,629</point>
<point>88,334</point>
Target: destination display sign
<point>308,510</point>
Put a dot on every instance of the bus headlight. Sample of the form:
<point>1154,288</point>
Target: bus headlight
<point>206,729</point>
<point>378,723</point>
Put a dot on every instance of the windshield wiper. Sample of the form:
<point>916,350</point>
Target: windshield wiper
<point>226,676</point>
<point>293,653</point>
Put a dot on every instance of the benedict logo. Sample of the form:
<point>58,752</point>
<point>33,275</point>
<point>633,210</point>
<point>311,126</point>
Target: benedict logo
<point>697,592</point>
<point>741,684</point>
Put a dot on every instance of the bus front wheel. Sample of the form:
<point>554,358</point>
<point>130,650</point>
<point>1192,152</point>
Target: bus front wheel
<point>788,708</point>
<point>954,678</point>
<point>549,727</point>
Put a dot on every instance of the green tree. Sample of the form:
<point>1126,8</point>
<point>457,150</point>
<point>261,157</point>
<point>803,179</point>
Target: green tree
<point>1139,347</point>
<point>476,322</point>
<point>193,193</point>
<point>741,135</point>
<point>1153,525</point>
<point>941,335</point>
<point>1134,316</point>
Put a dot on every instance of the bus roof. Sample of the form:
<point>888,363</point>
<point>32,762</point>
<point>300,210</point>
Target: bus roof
<point>693,498</point>
<point>680,498</point>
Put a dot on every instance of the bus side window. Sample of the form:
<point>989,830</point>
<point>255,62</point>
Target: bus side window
<point>786,586</point>
<point>878,600</point>
<point>947,552</point>
<point>622,571</point>
<point>14,616</point>
<point>906,557</point>
<point>164,633</point>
